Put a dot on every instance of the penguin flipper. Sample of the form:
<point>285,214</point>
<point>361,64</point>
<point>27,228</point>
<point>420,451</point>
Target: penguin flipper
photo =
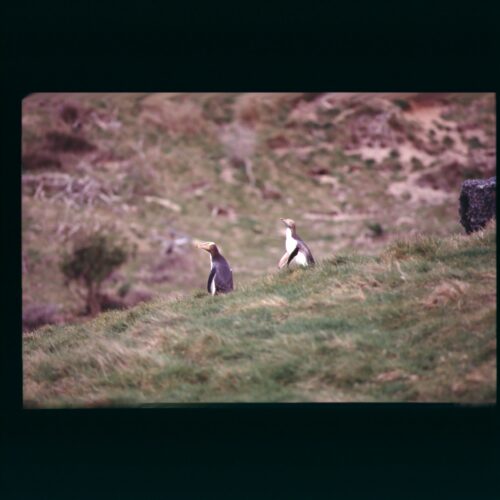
<point>224,278</point>
<point>211,277</point>
<point>283,260</point>
<point>306,251</point>
<point>292,255</point>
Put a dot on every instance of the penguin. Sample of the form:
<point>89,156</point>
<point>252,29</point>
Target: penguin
<point>295,247</point>
<point>220,279</point>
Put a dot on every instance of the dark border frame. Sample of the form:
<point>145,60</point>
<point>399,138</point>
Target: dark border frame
<point>347,447</point>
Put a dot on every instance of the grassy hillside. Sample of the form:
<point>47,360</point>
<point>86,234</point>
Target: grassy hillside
<point>417,322</point>
<point>355,171</point>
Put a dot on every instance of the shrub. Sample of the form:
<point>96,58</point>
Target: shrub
<point>91,260</point>
<point>69,114</point>
<point>376,229</point>
<point>403,104</point>
<point>419,246</point>
<point>474,143</point>
<point>448,141</point>
<point>36,315</point>
<point>39,161</point>
<point>67,143</point>
<point>219,108</point>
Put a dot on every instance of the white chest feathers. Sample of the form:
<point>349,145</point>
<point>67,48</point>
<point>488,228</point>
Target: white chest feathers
<point>212,283</point>
<point>290,244</point>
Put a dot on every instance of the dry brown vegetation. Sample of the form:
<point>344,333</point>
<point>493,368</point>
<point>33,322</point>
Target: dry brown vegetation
<point>355,171</point>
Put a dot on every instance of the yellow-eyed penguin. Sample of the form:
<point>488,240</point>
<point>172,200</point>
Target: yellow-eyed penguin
<point>295,247</point>
<point>220,279</point>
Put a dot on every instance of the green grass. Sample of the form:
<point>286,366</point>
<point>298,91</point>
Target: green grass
<point>167,143</point>
<point>416,323</point>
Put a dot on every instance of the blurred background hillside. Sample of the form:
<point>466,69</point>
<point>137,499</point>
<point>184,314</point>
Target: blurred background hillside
<point>160,170</point>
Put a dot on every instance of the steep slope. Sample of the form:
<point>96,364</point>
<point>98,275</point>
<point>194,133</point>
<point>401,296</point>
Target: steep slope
<point>355,171</point>
<point>415,323</point>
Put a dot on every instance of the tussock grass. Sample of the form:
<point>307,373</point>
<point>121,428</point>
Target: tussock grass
<point>425,246</point>
<point>417,323</point>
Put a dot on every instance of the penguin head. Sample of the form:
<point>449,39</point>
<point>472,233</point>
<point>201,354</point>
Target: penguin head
<point>289,223</point>
<point>209,246</point>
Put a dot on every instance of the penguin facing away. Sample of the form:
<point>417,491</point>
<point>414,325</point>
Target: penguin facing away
<point>220,279</point>
<point>296,248</point>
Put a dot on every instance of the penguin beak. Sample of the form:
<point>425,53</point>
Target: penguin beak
<point>284,221</point>
<point>204,246</point>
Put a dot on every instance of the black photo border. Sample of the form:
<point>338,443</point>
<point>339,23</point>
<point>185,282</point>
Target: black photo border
<point>354,449</point>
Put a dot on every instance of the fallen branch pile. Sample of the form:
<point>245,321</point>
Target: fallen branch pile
<point>74,191</point>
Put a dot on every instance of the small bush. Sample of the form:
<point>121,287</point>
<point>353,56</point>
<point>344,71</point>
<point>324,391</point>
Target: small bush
<point>403,104</point>
<point>67,143</point>
<point>474,143</point>
<point>219,108</point>
<point>39,161</point>
<point>421,246</point>
<point>36,315</point>
<point>376,229</point>
<point>69,114</point>
<point>416,164</point>
<point>448,141</point>
<point>91,260</point>
<point>124,289</point>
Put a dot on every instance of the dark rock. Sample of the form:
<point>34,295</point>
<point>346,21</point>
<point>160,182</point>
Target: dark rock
<point>477,203</point>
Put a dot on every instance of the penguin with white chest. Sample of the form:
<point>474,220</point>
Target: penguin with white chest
<point>220,279</point>
<point>296,248</point>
